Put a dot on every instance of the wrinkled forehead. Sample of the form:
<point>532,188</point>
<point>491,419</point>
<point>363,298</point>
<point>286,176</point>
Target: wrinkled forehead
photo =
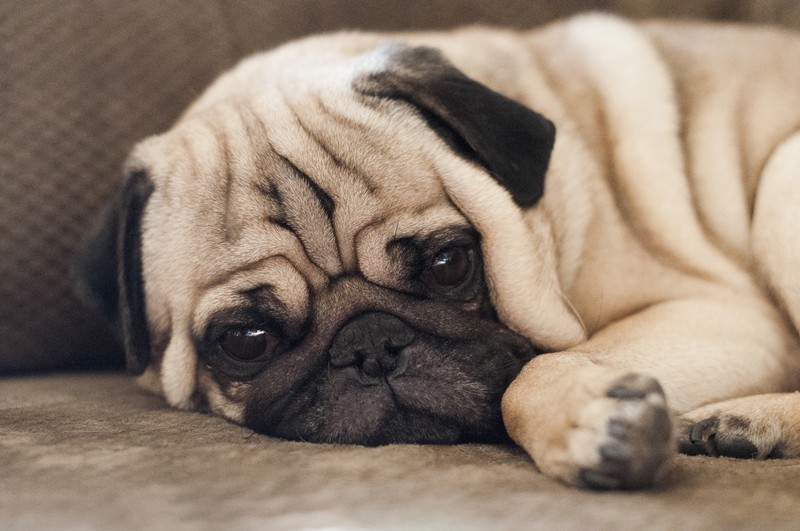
<point>321,158</point>
<point>322,178</point>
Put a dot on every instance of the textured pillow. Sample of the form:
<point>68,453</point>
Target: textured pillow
<point>81,83</point>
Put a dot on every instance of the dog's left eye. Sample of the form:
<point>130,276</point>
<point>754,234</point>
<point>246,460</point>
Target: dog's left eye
<point>248,344</point>
<point>452,266</point>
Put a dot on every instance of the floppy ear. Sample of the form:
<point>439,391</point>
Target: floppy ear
<point>513,145</point>
<point>109,268</point>
<point>508,139</point>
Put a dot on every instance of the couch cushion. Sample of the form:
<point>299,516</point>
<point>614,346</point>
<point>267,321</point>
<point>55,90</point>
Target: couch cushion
<point>95,451</point>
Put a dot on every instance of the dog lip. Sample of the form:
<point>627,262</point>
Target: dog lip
<point>521,347</point>
<point>528,353</point>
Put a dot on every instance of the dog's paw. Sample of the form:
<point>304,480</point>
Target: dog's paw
<point>603,429</point>
<point>623,437</point>
<point>745,428</point>
<point>719,435</point>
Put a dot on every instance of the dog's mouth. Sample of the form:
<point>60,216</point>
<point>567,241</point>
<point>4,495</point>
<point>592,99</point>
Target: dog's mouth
<point>401,386</point>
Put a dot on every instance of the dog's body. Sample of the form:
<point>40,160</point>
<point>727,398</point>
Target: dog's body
<point>381,227</point>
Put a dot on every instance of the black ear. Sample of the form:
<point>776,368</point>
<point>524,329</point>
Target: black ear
<point>108,268</point>
<point>511,141</point>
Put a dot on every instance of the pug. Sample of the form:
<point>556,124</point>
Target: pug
<point>570,236</point>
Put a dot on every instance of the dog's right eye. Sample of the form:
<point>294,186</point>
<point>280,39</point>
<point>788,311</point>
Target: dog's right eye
<point>248,344</point>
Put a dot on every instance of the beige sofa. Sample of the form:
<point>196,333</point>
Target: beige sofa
<point>82,447</point>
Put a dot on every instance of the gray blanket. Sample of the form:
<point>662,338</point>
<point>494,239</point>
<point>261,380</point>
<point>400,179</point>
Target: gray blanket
<point>95,451</point>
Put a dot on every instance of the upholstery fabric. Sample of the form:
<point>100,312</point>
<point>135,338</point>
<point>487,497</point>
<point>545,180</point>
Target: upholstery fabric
<point>93,451</point>
<point>82,80</point>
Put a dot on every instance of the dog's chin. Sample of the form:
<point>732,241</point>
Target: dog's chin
<point>381,415</point>
<point>444,396</point>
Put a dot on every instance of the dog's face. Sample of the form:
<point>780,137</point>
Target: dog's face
<point>291,256</point>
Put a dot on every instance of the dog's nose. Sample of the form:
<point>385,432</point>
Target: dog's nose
<point>373,343</point>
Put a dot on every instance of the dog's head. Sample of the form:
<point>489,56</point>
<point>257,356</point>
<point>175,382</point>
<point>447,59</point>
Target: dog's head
<point>341,248</point>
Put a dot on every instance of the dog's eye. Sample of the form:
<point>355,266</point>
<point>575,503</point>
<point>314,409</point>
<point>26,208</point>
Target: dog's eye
<point>451,266</point>
<point>248,344</point>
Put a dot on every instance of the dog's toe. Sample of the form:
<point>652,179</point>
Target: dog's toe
<point>721,435</point>
<point>698,438</point>
<point>631,435</point>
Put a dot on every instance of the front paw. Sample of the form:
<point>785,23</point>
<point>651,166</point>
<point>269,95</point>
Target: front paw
<point>589,425</point>
<point>724,435</point>
<point>745,428</point>
<point>623,437</point>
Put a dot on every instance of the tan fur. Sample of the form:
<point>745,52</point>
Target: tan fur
<point>665,244</point>
<point>694,312</point>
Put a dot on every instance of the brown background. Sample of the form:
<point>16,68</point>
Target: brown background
<point>81,82</point>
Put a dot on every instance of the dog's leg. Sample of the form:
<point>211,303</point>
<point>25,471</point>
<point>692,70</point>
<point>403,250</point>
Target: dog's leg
<point>759,427</point>
<point>776,220</point>
<point>766,425</point>
<point>597,415</point>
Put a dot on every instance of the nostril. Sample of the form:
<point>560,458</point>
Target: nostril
<point>379,361</point>
<point>342,357</point>
<point>377,369</point>
<point>399,366</point>
<point>371,367</point>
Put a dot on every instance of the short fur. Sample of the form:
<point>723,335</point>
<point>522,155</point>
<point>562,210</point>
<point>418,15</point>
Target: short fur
<point>647,252</point>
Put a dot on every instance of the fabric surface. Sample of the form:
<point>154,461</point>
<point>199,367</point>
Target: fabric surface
<point>94,451</point>
<point>83,80</point>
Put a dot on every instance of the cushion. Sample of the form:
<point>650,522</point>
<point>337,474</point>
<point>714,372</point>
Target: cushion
<point>93,451</point>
